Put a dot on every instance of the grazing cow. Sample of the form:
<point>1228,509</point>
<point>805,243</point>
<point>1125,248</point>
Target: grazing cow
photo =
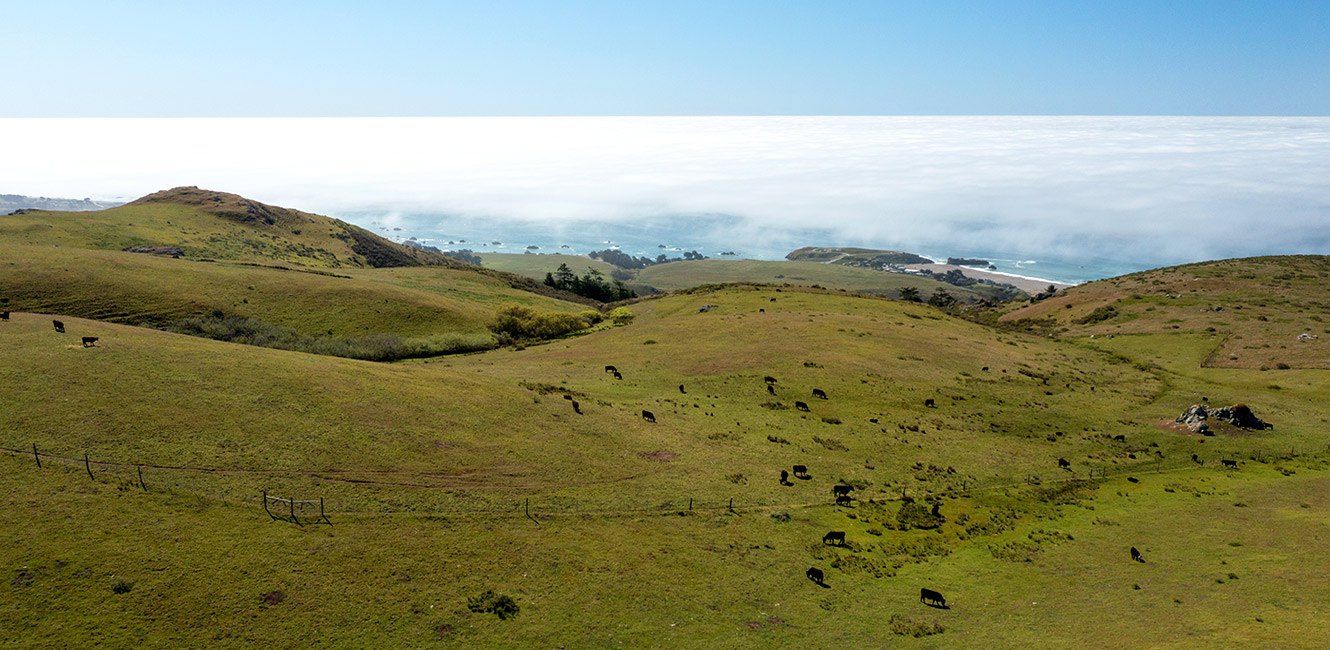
<point>929,403</point>
<point>4,315</point>
<point>835,538</point>
<point>800,406</point>
<point>838,490</point>
<point>784,477</point>
<point>814,574</point>
<point>818,392</point>
<point>1233,464</point>
<point>769,379</point>
<point>567,396</point>
<point>89,341</point>
<point>773,300</point>
<point>1133,479</point>
<point>801,471</point>
<point>985,368</point>
<point>577,407</point>
<point>1136,555</point>
<point>1120,438</point>
<point>771,389</point>
<point>932,598</point>
<point>1064,463</point>
<point>617,375</point>
<point>59,326</point>
<point>843,500</point>
<point>681,390</point>
<point>648,416</point>
<point>762,310</point>
<point>611,369</point>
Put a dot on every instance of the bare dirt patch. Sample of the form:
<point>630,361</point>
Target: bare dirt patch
<point>661,455</point>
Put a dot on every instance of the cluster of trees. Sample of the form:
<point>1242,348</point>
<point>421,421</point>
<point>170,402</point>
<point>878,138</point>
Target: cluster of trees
<point>626,261</point>
<point>592,285</point>
<point>940,297</point>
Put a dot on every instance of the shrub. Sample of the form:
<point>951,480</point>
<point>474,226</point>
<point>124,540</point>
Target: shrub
<point>502,606</point>
<point>621,316</point>
<point>907,627</point>
<point>373,347</point>
<point>592,316</point>
<point>1100,314</point>
<point>521,322</point>
<point>122,586</point>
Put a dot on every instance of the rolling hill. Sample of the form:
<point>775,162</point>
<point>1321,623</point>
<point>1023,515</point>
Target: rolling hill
<point>1008,469</point>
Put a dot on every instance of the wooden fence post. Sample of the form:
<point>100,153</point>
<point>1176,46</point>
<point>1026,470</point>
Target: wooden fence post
<point>265,505</point>
<point>292,501</point>
<point>35,456</point>
<point>145,485</point>
<point>87,466</point>
<point>690,504</point>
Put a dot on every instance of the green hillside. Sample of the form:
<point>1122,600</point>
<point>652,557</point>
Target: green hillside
<point>1254,310</point>
<point>446,478</point>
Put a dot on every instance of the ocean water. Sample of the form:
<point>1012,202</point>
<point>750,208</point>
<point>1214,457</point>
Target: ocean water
<point>1062,198</point>
<point>712,236</point>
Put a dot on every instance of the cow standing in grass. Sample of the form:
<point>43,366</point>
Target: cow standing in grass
<point>818,392</point>
<point>835,538</point>
<point>932,598</point>
<point>648,416</point>
<point>59,326</point>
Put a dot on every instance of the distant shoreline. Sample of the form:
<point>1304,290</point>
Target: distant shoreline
<point>1024,283</point>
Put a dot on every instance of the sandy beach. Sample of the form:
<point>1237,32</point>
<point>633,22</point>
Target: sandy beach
<point>1027,285</point>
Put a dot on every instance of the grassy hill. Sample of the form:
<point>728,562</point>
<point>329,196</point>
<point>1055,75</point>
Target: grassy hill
<point>684,275</point>
<point>207,224</point>
<point>447,478</point>
<point>239,258</point>
<point>1253,309</point>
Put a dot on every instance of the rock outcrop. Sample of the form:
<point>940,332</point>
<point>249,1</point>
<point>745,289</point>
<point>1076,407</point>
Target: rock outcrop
<point>1238,415</point>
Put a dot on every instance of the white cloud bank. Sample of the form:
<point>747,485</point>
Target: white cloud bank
<point>1134,188</point>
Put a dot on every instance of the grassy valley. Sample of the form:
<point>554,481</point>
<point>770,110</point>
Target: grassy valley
<point>1008,469</point>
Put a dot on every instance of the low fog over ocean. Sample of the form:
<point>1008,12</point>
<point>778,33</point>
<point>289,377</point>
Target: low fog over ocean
<point>1063,198</point>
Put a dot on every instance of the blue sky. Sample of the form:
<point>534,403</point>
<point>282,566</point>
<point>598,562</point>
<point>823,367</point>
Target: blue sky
<point>583,57</point>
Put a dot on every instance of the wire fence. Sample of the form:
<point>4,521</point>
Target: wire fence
<point>359,498</point>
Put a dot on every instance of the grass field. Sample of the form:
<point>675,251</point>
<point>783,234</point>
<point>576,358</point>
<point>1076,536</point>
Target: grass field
<point>428,467</point>
<point>684,275</point>
<point>1008,469</point>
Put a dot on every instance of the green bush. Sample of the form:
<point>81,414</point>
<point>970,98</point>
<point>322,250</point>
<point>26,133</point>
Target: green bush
<point>592,316</point>
<point>621,316</point>
<point>122,586</point>
<point>502,606</point>
<point>524,323</point>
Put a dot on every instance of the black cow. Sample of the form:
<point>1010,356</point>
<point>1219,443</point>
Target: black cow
<point>611,369</point>
<point>1195,458</point>
<point>769,379</point>
<point>771,389</point>
<point>929,403</point>
<point>773,300</point>
<point>838,490</point>
<point>59,326</point>
<point>89,341</point>
<point>1230,463</point>
<point>1136,555</point>
<point>843,500</point>
<point>801,471</point>
<point>577,407</point>
<point>784,477</point>
<point>762,310</point>
<point>800,406</point>
<point>681,390</point>
<point>4,315</point>
<point>567,396</point>
<point>814,574</point>
<point>648,416</point>
<point>1133,479</point>
<point>932,598</point>
<point>1064,463</point>
<point>617,375</point>
<point>818,392</point>
<point>835,538</point>
<point>1120,438</point>
<point>985,368</point>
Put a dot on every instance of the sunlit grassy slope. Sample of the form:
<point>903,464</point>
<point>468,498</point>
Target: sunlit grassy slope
<point>1256,307</point>
<point>447,478</point>
<point>683,275</point>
